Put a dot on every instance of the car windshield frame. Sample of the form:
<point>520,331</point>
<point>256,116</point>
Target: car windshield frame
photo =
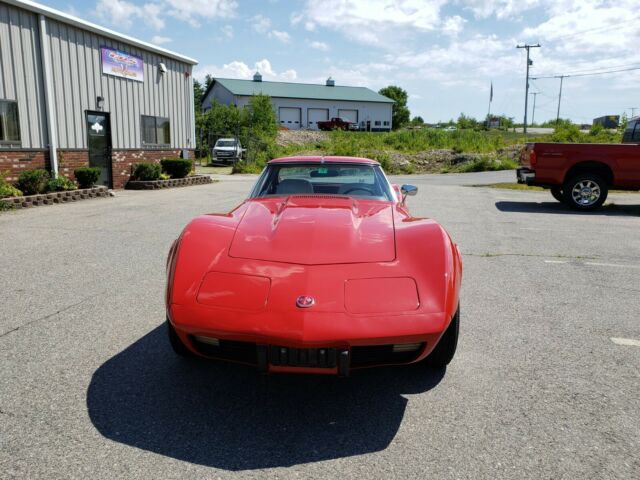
<point>225,143</point>
<point>268,180</point>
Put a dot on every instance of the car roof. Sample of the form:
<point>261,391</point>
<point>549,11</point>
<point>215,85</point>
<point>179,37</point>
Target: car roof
<point>323,159</point>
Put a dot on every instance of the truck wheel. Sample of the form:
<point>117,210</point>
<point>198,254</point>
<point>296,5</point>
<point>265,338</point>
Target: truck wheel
<point>585,192</point>
<point>557,194</point>
<point>446,347</point>
<point>176,344</point>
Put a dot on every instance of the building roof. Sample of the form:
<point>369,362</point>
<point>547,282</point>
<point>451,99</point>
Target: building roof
<point>92,27</point>
<point>299,90</point>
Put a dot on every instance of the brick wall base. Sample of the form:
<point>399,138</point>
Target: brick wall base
<point>124,160</point>
<point>13,162</point>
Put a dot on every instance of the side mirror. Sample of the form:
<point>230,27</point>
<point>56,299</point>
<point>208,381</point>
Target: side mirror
<point>408,190</point>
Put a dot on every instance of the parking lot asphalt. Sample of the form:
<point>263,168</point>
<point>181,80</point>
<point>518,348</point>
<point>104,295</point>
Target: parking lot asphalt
<point>89,387</point>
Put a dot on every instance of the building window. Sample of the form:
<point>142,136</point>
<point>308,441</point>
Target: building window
<point>386,123</point>
<point>155,131</point>
<point>377,123</point>
<point>9,122</point>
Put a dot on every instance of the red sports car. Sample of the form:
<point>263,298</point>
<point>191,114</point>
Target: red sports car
<point>321,270</point>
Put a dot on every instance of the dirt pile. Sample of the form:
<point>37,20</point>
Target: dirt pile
<point>298,137</point>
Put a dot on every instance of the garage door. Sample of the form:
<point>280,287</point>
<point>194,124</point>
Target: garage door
<point>315,115</point>
<point>351,115</point>
<point>289,117</point>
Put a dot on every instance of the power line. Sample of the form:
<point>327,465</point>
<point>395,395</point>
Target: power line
<point>586,74</point>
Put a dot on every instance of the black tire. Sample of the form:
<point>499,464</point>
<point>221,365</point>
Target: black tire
<point>585,192</point>
<point>556,192</point>
<point>176,344</point>
<point>442,355</point>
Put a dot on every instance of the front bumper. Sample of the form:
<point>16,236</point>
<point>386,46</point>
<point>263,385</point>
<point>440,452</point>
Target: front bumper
<point>525,175</point>
<point>284,342</point>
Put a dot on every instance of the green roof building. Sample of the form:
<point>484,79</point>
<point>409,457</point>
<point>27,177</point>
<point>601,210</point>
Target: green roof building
<point>303,105</point>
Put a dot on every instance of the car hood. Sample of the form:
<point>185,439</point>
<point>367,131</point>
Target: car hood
<point>315,230</point>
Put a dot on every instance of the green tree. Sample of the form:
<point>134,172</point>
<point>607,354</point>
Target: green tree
<point>198,93</point>
<point>400,112</point>
<point>417,120</point>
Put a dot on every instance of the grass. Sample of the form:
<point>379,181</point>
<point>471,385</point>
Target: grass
<point>404,151</point>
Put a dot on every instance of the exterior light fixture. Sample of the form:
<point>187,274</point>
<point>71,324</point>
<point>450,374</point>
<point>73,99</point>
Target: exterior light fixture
<point>162,67</point>
<point>99,102</point>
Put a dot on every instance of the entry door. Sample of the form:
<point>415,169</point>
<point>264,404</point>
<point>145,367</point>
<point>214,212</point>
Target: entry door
<point>99,143</point>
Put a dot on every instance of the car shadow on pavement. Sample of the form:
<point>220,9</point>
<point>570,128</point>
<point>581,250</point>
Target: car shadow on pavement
<point>230,417</point>
<point>557,207</point>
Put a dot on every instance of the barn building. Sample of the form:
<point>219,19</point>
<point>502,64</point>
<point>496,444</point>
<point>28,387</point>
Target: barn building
<point>74,94</point>
<point>302,106</point>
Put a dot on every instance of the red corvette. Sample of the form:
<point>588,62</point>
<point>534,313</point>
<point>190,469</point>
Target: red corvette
<point>321,270</point>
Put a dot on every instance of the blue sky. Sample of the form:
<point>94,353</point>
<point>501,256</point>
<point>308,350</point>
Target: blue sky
<point>445,53</point>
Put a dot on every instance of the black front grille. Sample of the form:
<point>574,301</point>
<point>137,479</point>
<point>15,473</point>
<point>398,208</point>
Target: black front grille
<point>381,355</point>
<point>243,352</point>
<point>303,357</point>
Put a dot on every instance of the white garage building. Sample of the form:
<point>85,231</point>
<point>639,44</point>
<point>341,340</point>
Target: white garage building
<point>302,106</point>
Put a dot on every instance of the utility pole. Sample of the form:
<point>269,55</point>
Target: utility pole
<point>633,111</point>
<point>533,116</point>
<point>561,77</point>
<point>526,90</point>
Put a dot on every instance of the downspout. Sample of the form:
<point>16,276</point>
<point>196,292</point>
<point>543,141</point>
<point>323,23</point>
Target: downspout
<point>192,143</point>
<point>48,97</point>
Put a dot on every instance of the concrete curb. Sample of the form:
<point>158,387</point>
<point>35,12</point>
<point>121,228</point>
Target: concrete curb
<point>52,198</point>
<point>174,182</point>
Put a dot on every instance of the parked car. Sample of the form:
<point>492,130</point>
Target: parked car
<point>227,150</point>
<point>580,175</point>
<point>321,270</point>
<point>337,123</point>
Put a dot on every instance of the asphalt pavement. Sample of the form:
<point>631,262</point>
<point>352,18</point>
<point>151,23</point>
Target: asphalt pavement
<point>89,387</point>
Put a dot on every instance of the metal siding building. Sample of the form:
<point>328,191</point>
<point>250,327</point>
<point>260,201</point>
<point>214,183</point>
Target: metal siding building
<point>301,106</point>
<point>34,39</point>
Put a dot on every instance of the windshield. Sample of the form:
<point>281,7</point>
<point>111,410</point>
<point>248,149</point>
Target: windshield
<point>355,180</point>
<point>226,143</point>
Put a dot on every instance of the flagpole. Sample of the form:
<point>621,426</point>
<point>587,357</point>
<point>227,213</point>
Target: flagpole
<point>489,112</point>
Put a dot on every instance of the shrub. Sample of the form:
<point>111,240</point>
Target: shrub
<point>146,171</point>
<point>60,184</point>
<point>8,190</point>
<point>32,182</point>
<point>176,167</point>
<point>87,176</point>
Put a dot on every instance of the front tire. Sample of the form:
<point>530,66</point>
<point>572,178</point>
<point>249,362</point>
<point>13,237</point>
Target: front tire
<point>585,192</point>
<point>442,355</point>
<point>178,347</point>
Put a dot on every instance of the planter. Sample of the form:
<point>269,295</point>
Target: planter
<point>171,183</point>
<point>56,197</point>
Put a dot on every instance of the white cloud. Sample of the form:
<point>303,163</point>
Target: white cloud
<point>239,69</point>
<point>260,23</point>
<point>323,47</point>
<point>191,10</point>
<point>283,37</point>
<point>123,13</point>
<point>160,40</point>
<point>453,26</point>
<point>227,31</point>
<point>370,21</point>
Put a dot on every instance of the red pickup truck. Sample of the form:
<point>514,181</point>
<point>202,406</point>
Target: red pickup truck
<point>581,174</point>
<point>337,123</point>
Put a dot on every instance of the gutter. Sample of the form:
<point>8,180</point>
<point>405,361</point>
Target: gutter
<point>48,96</point>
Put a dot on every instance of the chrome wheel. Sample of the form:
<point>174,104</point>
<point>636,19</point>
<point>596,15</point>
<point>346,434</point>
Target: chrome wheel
<point>586,193</point>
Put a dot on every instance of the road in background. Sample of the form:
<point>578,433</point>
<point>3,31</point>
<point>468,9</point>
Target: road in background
<point>90,389</point>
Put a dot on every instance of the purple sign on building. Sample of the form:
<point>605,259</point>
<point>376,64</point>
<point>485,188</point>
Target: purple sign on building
<point>121,64</point>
